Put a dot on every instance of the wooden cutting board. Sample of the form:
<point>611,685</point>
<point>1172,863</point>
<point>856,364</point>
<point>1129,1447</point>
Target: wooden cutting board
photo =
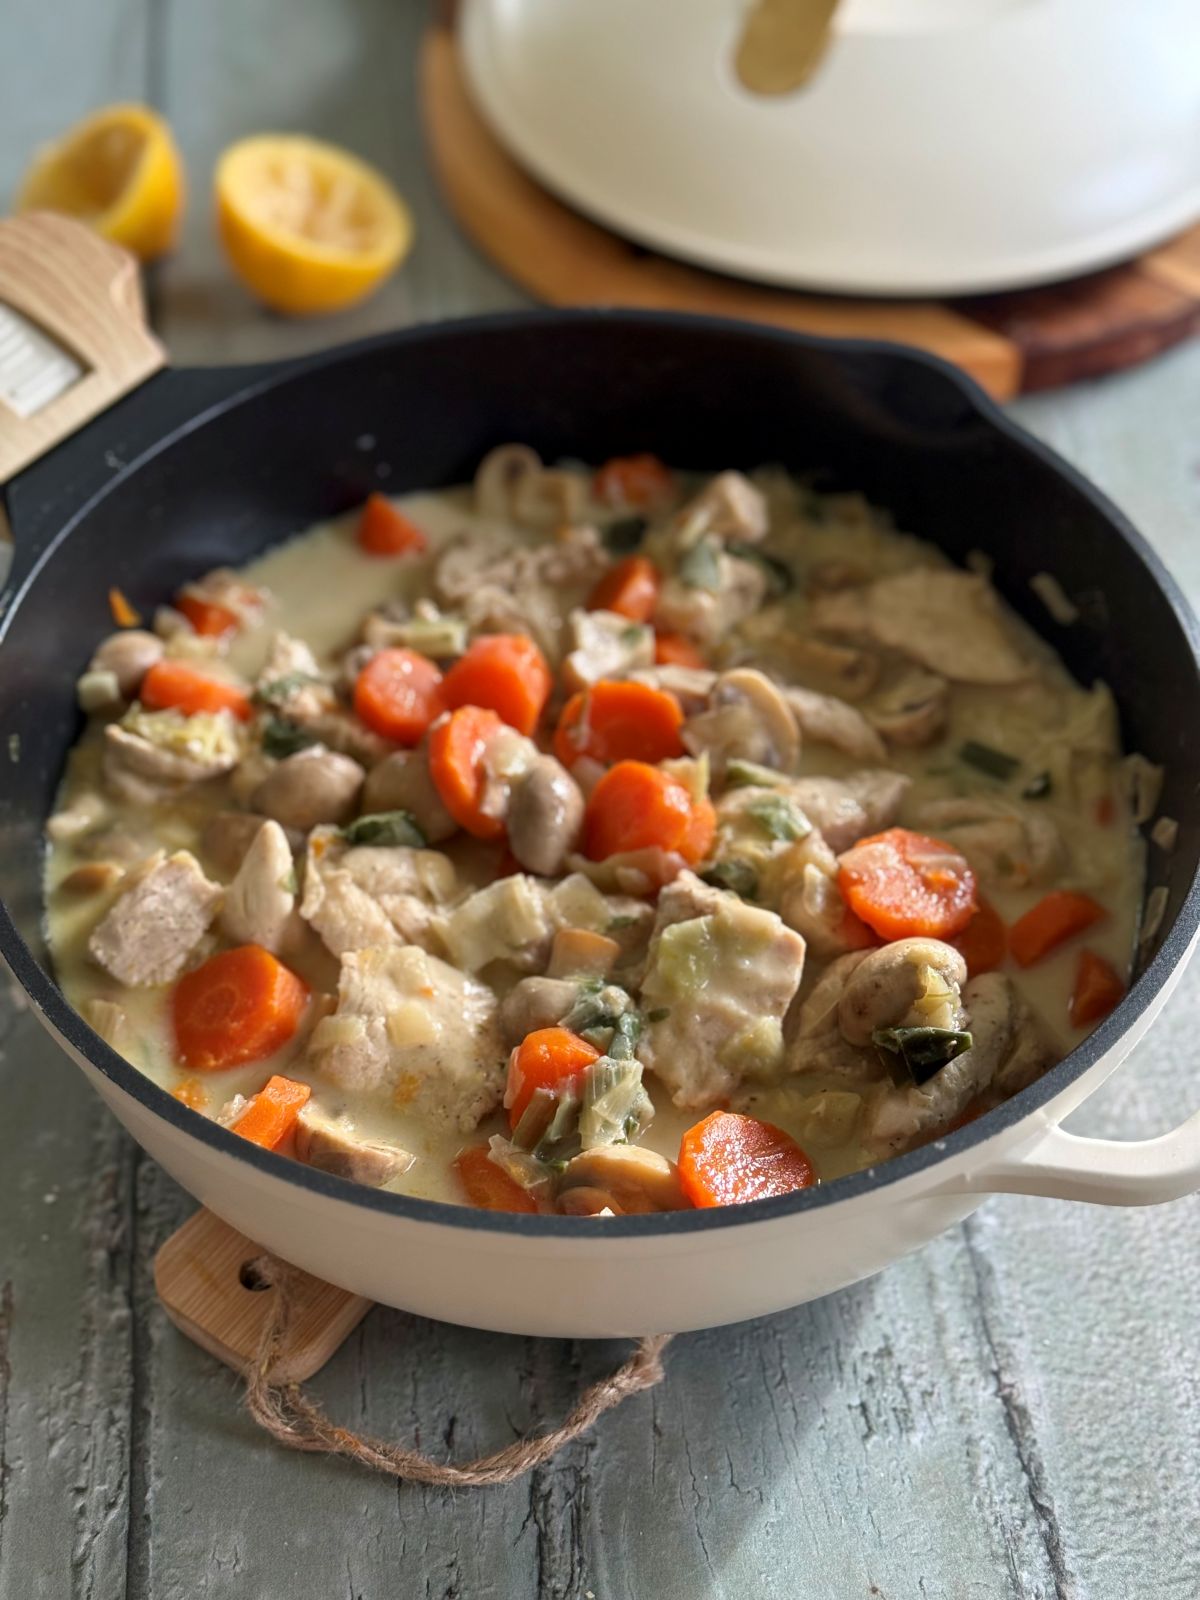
<point>1011,343</point>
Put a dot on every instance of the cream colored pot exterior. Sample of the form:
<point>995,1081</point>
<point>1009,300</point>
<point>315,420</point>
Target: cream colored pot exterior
<point>599,1286</point>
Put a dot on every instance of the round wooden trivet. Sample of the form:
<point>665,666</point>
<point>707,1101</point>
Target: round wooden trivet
<point>1011,343</point>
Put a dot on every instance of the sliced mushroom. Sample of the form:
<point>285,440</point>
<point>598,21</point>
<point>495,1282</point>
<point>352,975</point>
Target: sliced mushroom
<point>549,499</point>
<point>827,720</point>
<point>92,877</point>
<point>691,686</point>
<point>838,669</point>
<point>498,476</point>
<point>313,786</point>
<point>401,782</point>
<point>630,1179</point>
<point>909,983</point>
<point>1007,846</point>
<point>332,1145</point>
<point>605,645</point>
<point>748,720</point>
<point>730,507</point>
<point>129,655</point>
<point>535,1003</point>
<point>545,814</point>
<point>911,712</point>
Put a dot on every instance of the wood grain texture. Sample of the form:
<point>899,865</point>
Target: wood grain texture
<point>1010,1415</point>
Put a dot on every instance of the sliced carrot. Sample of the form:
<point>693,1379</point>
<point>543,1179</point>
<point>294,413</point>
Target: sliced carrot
<point>179,686</point>
<point>983,943</point>
<point>1058,917</point>
<point>488,1186</point>
<point>701,831</point>
<point>854,933</point>
<point>903,884</point>
<point>639,807</point>
<point>272,1113</point>
<point>191,1092</point>
<point>728,1159</point>
<point>457,750</point>
<point>640,481</point>
<point>206,616</point>
<point>617,720</point>
<point>1098,987</point>
<point>677,650</point>
<point>505,673</point>
<point>385,531</point>
<point>398,694</point>
<point>630,589</point>
<point>240,1005</point>
<point>548,1058</point>
<point>123,614</point>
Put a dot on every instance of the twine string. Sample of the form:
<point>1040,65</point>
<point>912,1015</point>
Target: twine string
<point>296,1421</point>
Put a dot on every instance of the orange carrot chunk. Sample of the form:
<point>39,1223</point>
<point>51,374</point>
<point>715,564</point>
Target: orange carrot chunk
<point>1097,989</point>
<point>677,650</point>
<point>178,686</point>
<point>640,481</point>
<point>905,884</point>
<point>191,1092</point>
<point>488,1186</point>
<point>384,531</point>
<point>728,1159</point>
<point>123,614</point>
<point>983,943</point>
<point>619,721</point>
<point>630,589</point>
<point>639,807</point>
<point>240,1005</point>
<point>398,694</point>
<point>208,618</point>
<point>457,750</point>
<point>1058,917</point>
<point>548,1058</point>
<point>505,673</point>
<point>272,1113</point>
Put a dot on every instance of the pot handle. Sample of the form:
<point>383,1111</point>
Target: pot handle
<point>1106,1172</point>
<point>73,336</point>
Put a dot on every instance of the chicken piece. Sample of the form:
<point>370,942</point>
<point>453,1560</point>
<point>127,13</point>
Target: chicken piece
<point>228,835</point>
<point>510,920</point>
<point>718,985</point>
<point>410,1026</point>
<point>111,1022</point>
<point>289,664</point>
<point>1008,846</point>
<point>630,872</point>
<point>152,755</point>
<point>401,782</point>
<point>747,719</point>
<point>729,507</point>
<point>331,1144</point>
<point>604,644</point>
<point>545,815</point>
<point>827,720</point>
<point>708,613</point>
<point>844,810</point>
<point>946,620</point>
<point>535,1003</point>
<point>818,1045</point>
<point>896,1117</point>
<point>361,896</point>
<point>911,712</point>
<point>156,923</point>
<point>803,886</point>
<point>262,897</point>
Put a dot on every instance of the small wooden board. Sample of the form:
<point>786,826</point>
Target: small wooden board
<point>202,1277</point>
<point>1011,343</point>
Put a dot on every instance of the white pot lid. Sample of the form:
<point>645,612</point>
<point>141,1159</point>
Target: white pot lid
<point>943,146</point>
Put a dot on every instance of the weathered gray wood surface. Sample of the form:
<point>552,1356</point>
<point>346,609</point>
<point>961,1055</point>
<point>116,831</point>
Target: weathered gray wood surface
<point>1014,1412</point>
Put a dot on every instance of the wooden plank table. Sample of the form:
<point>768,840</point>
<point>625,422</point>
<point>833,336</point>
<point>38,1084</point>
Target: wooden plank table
<point>1012,1412</point>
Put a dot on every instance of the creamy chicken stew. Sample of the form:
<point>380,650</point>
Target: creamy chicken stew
<point>595,842</point>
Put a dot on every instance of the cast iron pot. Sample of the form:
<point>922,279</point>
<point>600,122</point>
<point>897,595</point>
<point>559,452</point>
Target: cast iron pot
<point>206,467</point>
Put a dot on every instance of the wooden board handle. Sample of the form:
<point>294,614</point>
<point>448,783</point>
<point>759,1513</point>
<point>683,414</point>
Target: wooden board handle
<point>205,1279</point>
<point>69,284</point>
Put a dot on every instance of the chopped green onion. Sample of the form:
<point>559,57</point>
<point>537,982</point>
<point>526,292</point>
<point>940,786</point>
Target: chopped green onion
<point>626,1033</point>
<point>741,774</point>
<point>624,535</point>
<point>617,924</point>
<point>780,578</point>
<point>779,818</point>
<point>385,828</point>
<point>701,566</point>
<point>739,877</point>
<point>616,1108</point>
<point>995,763</point>
<point>1038,788</point>
<point>923,1050</point>
<point>597,1006</point>
<point>281,738</point>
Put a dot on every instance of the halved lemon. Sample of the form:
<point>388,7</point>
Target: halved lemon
<point>120,172</point>
<point>307,227</point>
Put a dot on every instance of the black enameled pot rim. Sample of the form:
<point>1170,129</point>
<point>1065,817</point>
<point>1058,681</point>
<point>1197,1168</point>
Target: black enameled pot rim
<point>50,1001</point>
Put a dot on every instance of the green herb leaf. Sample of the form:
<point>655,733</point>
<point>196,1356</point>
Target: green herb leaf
<point>279,690</point>
<point>281,738</point>
<point>739,877</point>
<point>618,923</point>
<point>1038,788</point>
<point>701,566</point>
<point>781,579</point>
<point>624,535</point>
<point>779,818</point>
<point>626,1033</point>
<point>385,828</point>
<point>995,763</point>
<point>741,774</point>
<point>923,1050</point>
